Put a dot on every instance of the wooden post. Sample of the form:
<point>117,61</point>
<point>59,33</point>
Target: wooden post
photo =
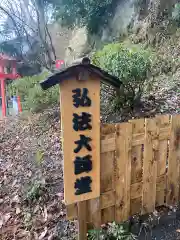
<point>3,76</point>
<point>80,124</point>
<point>150,166</point>
<point>82,220</point>
<point>3,95</point>
<point>19,104</point>
<point>173,173</point>
<point>123,171</point>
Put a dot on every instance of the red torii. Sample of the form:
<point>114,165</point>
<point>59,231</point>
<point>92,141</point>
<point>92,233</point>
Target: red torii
<point>6,61</point>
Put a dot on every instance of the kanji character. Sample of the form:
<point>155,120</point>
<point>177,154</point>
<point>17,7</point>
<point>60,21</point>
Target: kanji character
<point>83,142</point>
<point>80,98</point>
<point>83,164</point>
<point>83,185</point>
<point>82,122</point>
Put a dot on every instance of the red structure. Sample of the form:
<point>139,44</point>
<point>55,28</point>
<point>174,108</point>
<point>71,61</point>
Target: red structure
<point>59,64</point>
<point>19,104</point>
<point>7,71</point>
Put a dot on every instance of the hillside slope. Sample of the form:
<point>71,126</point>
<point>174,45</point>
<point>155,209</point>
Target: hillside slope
<point>31,182</point>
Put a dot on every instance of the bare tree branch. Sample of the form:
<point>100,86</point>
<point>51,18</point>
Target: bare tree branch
<point>29,24</point>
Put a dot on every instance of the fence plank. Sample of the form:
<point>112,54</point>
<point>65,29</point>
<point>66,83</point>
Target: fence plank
<point>108,215</point>
<point>173,162</point>
<point>136,191</point>
<point>134,203</point>
<point>163,122</point>
<point>123,171</point>
<point>107,129</point>
<point>71,211</point>
<point>107,199</point>
<point>94,214</point>
<point>162,156</point>
<point>149,166</point>
<point>107,171</point>
<point>108,145</point>
<point>107,167</point>
<point>136,162</point>
<point>138,139</point>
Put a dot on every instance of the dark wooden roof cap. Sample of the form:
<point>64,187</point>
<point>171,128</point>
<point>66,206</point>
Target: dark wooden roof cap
<point>75,70</point>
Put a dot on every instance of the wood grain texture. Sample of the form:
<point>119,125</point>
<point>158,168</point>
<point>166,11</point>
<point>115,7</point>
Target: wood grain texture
<point>107,200</point>
<point>136,160</point>
<point>70,136</point>
<point>82,220</point>
<point>163,123</point>
<point>71,211</point>
<point>124,189</point>
<point>150,166</point>
<point>107,168</point>
<point>108,215</point>
<point>173,162</point>
<point>123,171</point>
<point>94,214</point>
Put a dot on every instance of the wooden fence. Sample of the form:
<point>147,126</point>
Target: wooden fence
<point>140,169</point>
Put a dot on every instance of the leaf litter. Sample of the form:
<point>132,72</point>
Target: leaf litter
<point>31,179</point>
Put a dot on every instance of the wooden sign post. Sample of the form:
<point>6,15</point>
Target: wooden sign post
<point>80,119</point>
<point>80,115</point>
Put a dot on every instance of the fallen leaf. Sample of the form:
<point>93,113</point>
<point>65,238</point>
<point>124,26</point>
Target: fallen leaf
<point>22,234</point>
<point>62,214</point>
<point>18,210</point>
<point>14,183</point>
<point>6,217</point>
<point>39,157</point>
<point>36,209</point>
<point>51,237</point>
<point>29,174</point>
<point>36,236</point>
<point>1,223</point>
<point>43,234</point>
<point>60,195</point>
<point>45,214</point>
<point>17,148</point>
<point>15,199</point>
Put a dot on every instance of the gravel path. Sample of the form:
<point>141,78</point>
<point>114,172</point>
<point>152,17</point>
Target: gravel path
<point>170,230</point>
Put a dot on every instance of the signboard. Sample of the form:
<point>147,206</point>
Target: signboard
<point>80,119</point>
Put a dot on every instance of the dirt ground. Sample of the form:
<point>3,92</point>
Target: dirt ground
<point>31,179</point>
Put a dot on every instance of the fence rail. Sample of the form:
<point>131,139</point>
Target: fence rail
<point>140,170</point>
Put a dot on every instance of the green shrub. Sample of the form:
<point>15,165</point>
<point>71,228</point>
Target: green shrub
<point>130,65</point>
<point>34,191</point>
<point>39,99</point>
<point>23,85</point>
<point>33,98</point>
<point>113,232</point>
<point>176,13</point>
